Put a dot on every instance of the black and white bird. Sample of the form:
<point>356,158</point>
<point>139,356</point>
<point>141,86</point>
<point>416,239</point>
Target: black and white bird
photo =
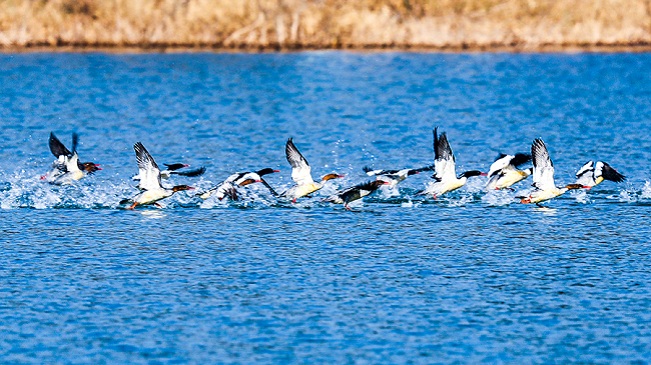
<point>543,176</point>
<point>173,169</point>
<point>354,193</point>
<point>302,174</point>
<point>66,168</point>
<point>228,187</point>
<point>592,174</point>
<point>150,180</point>
<point>393,177</point>
<point>445,175</point>
<point>504,171</point>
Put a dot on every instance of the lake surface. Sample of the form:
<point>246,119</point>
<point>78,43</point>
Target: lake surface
<point>467,278</point>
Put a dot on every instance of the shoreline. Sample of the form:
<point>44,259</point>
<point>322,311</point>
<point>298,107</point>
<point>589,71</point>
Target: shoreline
<point>518,26</point>
<point>176,48</point>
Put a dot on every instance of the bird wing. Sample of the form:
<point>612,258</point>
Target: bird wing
<point>301,170</point>
<point>444,161</point>
<point>543,167</point>
<point>611,174</point>
<point>520,159</point>
<point>174,166</point>
<point>75,142</point>
<point>370,172</point>
<point>57,148</point>
<point>148,169</point>
<point>500,163</point>
<point>191,173</point>
<point>426,168</point>
<point>587,168</point>
<point>271,190</point>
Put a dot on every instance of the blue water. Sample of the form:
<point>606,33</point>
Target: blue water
<point>467,278</point>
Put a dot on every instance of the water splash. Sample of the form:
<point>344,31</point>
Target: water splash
<point>581,196</point>
<point>475,185</point>
<point>646,190</point>
<point>387,192</point>
<point>498,197</point>
<point>462,201</point>
<point>410,204</point>
<point>626,197</point>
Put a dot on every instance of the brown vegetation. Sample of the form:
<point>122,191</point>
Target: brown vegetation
<point>286,24</point>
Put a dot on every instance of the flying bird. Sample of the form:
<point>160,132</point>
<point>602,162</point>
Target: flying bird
<point>543,176</point>
<point>150,180</point>
<point>445,175</point>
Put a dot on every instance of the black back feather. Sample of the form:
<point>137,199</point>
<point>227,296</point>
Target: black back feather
<point>174,166</point>
<point>192,173</point>
<point>520,159</point>
<point>426,168</point>
<point>353,193</point>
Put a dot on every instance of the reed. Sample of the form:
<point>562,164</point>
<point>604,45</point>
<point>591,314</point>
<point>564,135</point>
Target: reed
<point>287,24</point>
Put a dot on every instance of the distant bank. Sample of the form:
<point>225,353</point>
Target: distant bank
<point>476,25</point>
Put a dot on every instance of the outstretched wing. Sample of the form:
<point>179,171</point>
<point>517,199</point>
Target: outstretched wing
<point>75,142</point>
<point>520,159</point>
<point>500,163</point>
<point>426,168</point>
<point>148,169</point>
<point>370,172</point>
<point>301,170</point>
<point>271,190</point>
<point>444,161</point>
<point>586,169</point>
<point>543,167</point>
<point>57,148</point>
<point>611,174</point>
<point>192,173</point>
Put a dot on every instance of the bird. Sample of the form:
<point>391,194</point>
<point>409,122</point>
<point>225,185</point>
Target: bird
<point>172,169</point>
<point>150,180</point>
<point>67,168</point>
<point>504,171</point>
<point>228,187</point>
<point>354,193</point>
<point>302,174</point>
<point>393,177</point>
<point>592,174</point>
<point>445,176</point>
<point>543,176</point>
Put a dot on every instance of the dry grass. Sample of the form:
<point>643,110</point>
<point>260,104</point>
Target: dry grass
<point>324,23</point>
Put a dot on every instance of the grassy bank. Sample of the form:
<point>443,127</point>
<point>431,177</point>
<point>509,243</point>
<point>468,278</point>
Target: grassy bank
<point>288,24</point>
